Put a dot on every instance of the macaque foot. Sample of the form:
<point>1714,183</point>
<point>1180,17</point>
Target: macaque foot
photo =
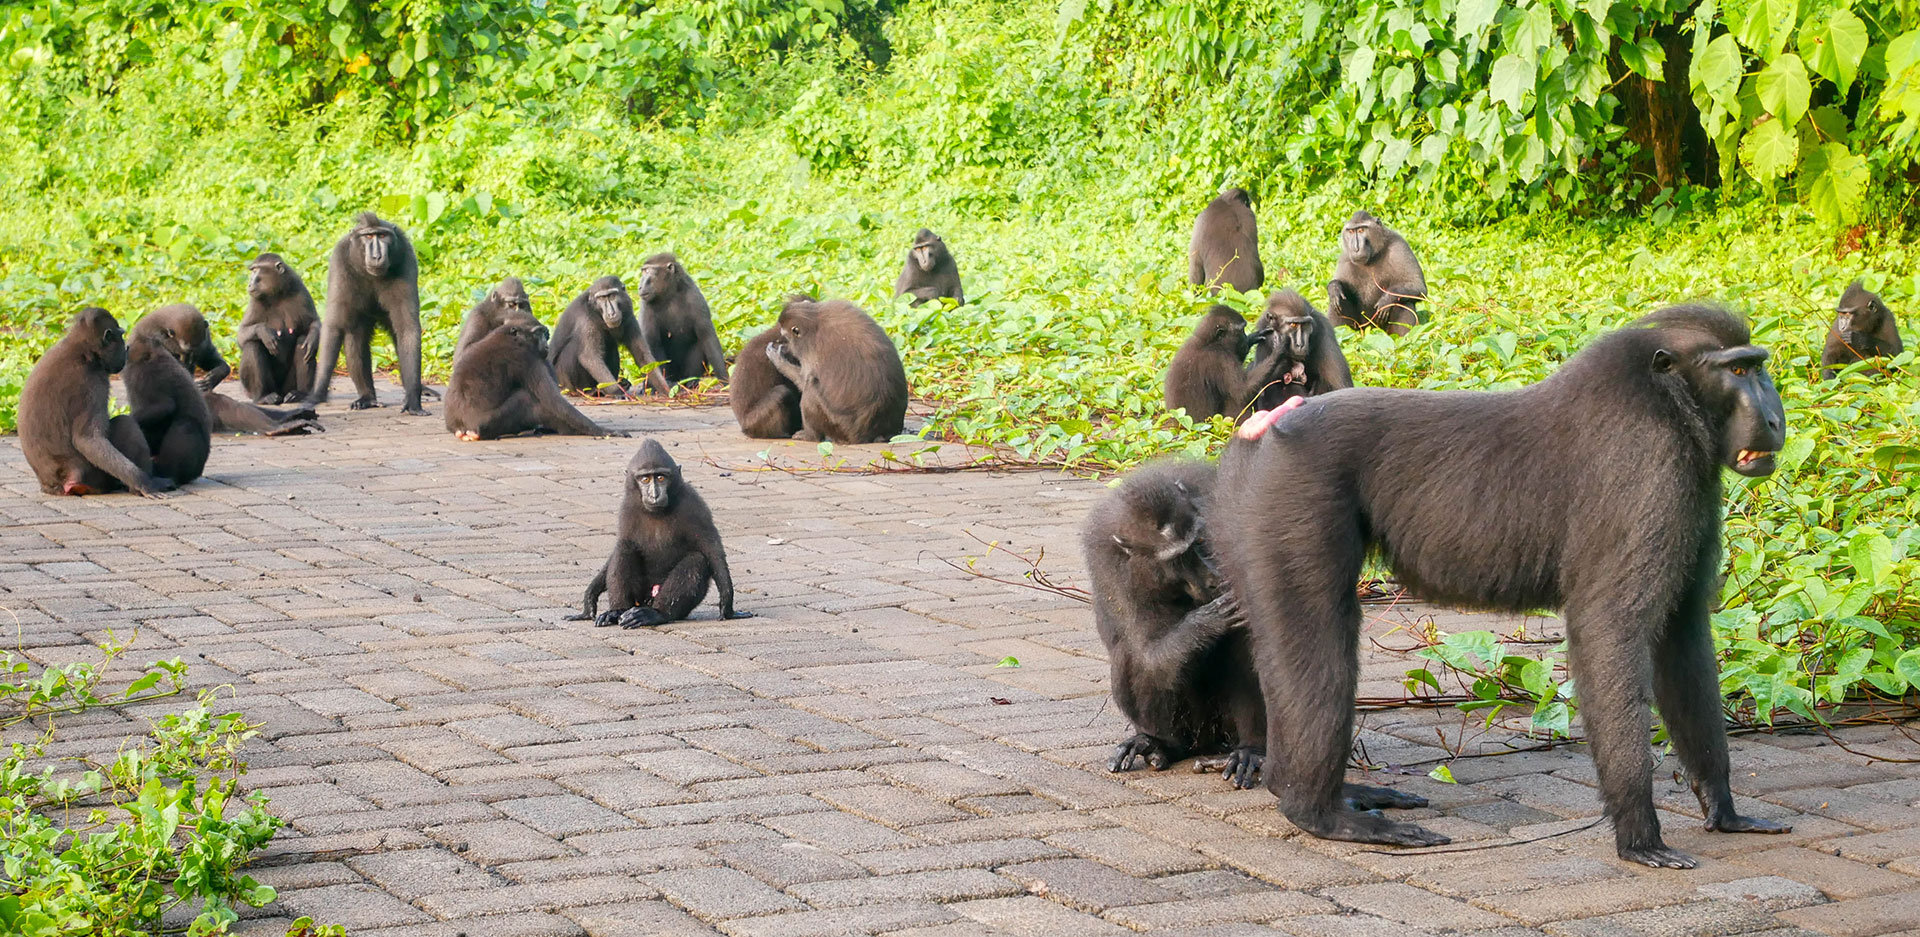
<point>642,616</point>
<point>1242,766</point>
<point>1368,797</point>
<point>1735,823</point>
<point>1143,749</point>
<point>1366,826</point>
<point>1659,856</point>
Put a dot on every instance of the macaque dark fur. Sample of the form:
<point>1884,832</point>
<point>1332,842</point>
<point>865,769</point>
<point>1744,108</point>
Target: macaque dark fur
<point>765,403</point>
<point>1208,376</point>
<point>279,337</point>
<point>1863,328</point>
<point>666,552</point>
<point>1295,353</point>
<point>1596,492</point>
<point>373,282</point>
<point>502,386</point>
<point>69,441</point>
<point>1225,249</point>
<point>677,322</point>
<point>853,388</point>
<point>182,331</point>
<point>585,351</point>
<point>1378,281</point>
<point>930,271</point>
<point>1182,667</point>
<point>506,301</point>
<point>170,408</point>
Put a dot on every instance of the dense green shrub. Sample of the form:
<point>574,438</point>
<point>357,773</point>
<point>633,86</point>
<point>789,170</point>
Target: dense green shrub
<point>1549,101</point>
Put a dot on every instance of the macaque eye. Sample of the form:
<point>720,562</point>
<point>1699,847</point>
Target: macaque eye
<point>1739,369</point>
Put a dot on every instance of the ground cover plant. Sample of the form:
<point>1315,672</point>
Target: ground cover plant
<point>149,840</point>
<point>154,147</point>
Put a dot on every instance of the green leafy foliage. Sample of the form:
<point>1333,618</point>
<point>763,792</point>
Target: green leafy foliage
<point>1539,102</point>
<point>108,850</point>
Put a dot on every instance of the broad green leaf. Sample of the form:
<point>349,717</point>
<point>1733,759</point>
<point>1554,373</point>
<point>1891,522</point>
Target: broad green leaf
<point>1531,32</point>
<point>1835,50</point>
<point>1908,667</point>
<point>436,206</point>
<point>1069,13</point>
<point>1443,774</point>
<point>1767,26</point>
<point>400,63</point>
<point>1474,15</point>
<point>1871,554</point>
<point>1784,90</point>
<point>1769,151</point>
<point>1718,72</point>
<point>1795,452</point>
<point>1360,67</point>
<point>1834,183</point>
<point>1512,79</point>
<point>1901,95</point>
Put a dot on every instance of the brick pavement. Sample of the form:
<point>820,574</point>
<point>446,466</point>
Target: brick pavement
<point>453,759</point>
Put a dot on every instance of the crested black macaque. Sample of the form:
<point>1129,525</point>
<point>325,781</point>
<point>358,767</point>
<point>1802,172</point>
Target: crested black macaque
<point>678,325</point>
<point>183,332</point>
<point>507,300</point>
<point>666,553</point>
<point>71,444</point>
<point>1226,245</point>
<point>279,336</point>
<point>373,282</point>
<point>503,386</point>
<point>1295,353</point>
<point>930,272</point>
<point>765,403</point>
<point>1182,666</point>
<point>1596,492</point>
<point>585,351</point>
<point>1378,280</point>
<point>1208,376</point>
<point>1863,328</point>
<point>853,388</point>
<point>171,411</point>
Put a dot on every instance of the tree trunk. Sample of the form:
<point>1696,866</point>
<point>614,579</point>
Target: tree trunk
<point>1661,119</point>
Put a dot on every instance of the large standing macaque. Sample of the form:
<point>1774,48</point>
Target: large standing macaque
<point>1596,492</point>
<point>373,282</point>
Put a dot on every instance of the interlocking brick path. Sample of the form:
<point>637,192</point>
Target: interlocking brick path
<point>452,758</point>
